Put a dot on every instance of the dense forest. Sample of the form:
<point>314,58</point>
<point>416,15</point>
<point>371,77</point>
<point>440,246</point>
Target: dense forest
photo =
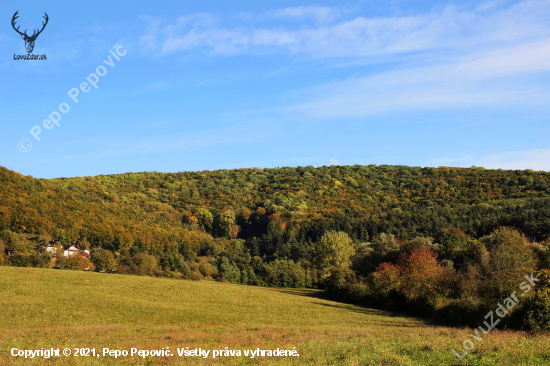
<point>464,235</point>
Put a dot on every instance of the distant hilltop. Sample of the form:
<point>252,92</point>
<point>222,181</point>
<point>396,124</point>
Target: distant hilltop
<point>159,210</point>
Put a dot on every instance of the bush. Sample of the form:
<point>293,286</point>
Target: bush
<point>75,263</point>
<point>104,260</point>
<point>170,274</point>
<point>208,270</point>
<point>470,283</point>
<point>171,261</point>
<point>460,313</point>
<point>285,273</point>
<point>194,276</point>
<point>248,277</point>
<point>535,312</point>
<point>458,247</point>
<point>20,260</point>
<point>16,243</point>
<point>126,263</point>
<point>146,263</point>
<point>228,270</point>
<point>385,280</point>
<point>368,256</point>
<point>339,280</point>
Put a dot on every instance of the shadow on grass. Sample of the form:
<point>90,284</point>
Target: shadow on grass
<point>412,321</point>
<point>318,294</point>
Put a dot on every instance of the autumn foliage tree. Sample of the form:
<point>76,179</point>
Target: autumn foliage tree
<point>76,263</point>
<point>385,280</point>
<point>421,274</point>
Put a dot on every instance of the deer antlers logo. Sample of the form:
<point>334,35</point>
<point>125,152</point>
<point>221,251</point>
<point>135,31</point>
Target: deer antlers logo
<point>29,40</point>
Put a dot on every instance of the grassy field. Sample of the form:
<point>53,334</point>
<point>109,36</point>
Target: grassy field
<point>42,308</point>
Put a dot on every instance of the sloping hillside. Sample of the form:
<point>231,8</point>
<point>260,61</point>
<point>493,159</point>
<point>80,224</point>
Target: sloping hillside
<point>44,308</point>
<point>162,210</point>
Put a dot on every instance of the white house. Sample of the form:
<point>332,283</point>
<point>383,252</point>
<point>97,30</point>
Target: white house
<point>68,250</point>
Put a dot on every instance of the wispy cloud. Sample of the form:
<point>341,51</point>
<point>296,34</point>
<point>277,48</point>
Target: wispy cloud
<point>320,14</point>
<point>536,159</point>
<point>449,58</point>
<point>450,28</point>
<point>480,79</point>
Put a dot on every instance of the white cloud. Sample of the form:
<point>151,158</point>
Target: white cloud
<point>449,58</point>
<point>450,28</point>
<point>150,39</point>
<point>478,79</point>
<point>321,14</point>
<point>536,159</point>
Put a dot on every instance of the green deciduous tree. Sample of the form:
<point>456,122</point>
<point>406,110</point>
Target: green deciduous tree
<point>334,249</point>
<point>228,270</point>
<point>285,273</point>
<point>146,262</point>
<point>104,260</point>
<point>535,312</point>
<point>510,258</point>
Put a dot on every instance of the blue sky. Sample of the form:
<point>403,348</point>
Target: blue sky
<point>230,84</point>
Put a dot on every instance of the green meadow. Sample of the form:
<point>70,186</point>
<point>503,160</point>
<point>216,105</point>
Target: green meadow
<point>44,308</point>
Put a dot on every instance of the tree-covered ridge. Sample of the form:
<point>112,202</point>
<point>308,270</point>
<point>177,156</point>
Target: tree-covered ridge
<point>158,210</point>
<point>323,189</point>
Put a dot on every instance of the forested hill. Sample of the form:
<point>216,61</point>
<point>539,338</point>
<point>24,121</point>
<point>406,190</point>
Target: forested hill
<point>277,210</point>
<point>447,243</point>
